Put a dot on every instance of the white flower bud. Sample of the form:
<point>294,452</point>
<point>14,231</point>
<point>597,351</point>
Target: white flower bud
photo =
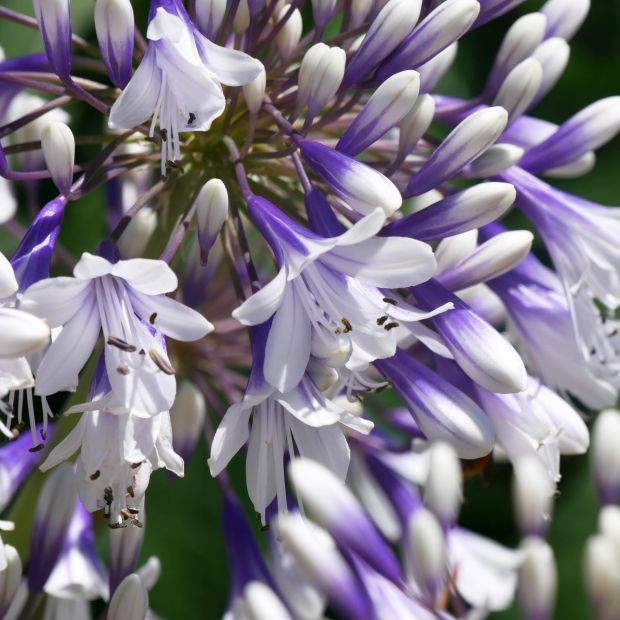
<point>428,551</point>
<point>262,603</point>
<point>609,524</point>
<point>211,213</point>
<point>577,168</point>
<point>58,146</point>
<point>8,283</point>
<point>433,70</point>
<point>289,36</point>
<point>415,123</point>
<point>489,260</point>
<point>538,580</point>
<point>187,418</point>
<point>552,55</point>
<point>322,12</point>
<point>532,492</point>
<point>601,569</point>
<point>564,17</point>
<point>444,486</point>
<point>138,233</point>
<point>21,333</point>
<point>493,161</point>
<point>320,76</point>
<point>130,601</point>
<point>209,16</point>
<point>10,578</point>
<point>254,92</point>
<point>241,21</point>
<point>359,11</point>
<point>519,88</point>
<point>605,456</point>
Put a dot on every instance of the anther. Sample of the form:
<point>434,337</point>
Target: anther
<point>164,134</point>
<point>108,495</point>
<point>390,326</point>
<point>347,325</point>
<point>161,363</point>
<point>123,369</point>
<point>37,448</point>
<point>152,318</point>
<point>130,491</point>
<point>191,119</point>
<point>135,465</point>
<point>389,300</point>
<point>382,319</point>
<point>119,343</point>
<point>95,475</point>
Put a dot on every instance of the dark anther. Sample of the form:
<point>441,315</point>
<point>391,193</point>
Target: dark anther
<point>382,319</point>
<point>119,343</point>
<point>108,495</point>
<point>592,350</point>
<point>43,434</point>
<point>337,330</point>
<point>347,325</point>
<point>130,491</point>
<point>135,465</point>
<point>390,326</point>
<point>95,475</point>
<point>173,165</point>
<point>265,528</point>
<point>191,119</point>
<point>389,300</point>
<point>161,363</point>
<point>37,448</point>
<point>123,369</point>
<point>164,134</point>
<point>117,526</point>
<point>141,352</point>
<point>152,318</point>
<point>137,522</point>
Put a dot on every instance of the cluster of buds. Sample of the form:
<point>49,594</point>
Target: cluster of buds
<point>278,171</point>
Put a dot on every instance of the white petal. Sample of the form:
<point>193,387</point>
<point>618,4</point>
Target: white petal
<point>231,67</point>
<point>8,204</point>
<point>170,459</point>
<point>172,318</point>
<point>8,283</point>
<point>151,277</point>
<point>137,102</point>
<point>91,266</point>
<point>57,299</point>
<point>68,353</point>
<point>385,261</point>
<point>363,229</point>
<point>15,375</point>
<point>288,345</point>
<point>21,333</point>
<point>66,448</point>
<point>231,435</point>
<point>262,305</point>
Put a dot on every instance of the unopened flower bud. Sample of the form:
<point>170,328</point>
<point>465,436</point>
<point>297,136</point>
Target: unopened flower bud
<point>538,580</point>
<point>601,570</point>
<point>432,71</point>
<point>320,76</point>
<point>211,213</point>
<point>444,485</point>
<point>138,233</point>
<point>58,146</point>
<point>532,492</point>
<point>10,578</point>
<point>577,168</point>
<point>124,545</point>
<point>241,21</point>
<point>415,123</point>
<point>54,19</point>
<point>130,601</point>
<point>187,417</point>
<point>465,142</point>
<point>22,333</point>
<point>519,88</point>
<point>322,12</point>
<point>552,55</point>
<point>609,525</point>
<point>290,34</point>
<point>393,23</point>
<point>359,11</point>
<point>428,552</point>
<point>8,283</point>
<point>387,106</point>
<point>262,603</point>
<point>493,161</point>
<point>334,507</point>
<point>605,456</point>
<point>114,23</point>
<point>209,16</point>
<point>564,17</point>
<point>254,92</point>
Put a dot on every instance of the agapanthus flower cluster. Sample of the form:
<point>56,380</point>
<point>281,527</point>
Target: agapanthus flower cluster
<point>301,228</point>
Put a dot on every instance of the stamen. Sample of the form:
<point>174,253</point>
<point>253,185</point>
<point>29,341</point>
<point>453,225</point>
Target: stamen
<point>161,363</point>
<point>119,343</point>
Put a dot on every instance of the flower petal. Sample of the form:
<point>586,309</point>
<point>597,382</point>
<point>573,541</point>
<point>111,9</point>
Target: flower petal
<point>262,305</point>
<point>231,435</point>
<point>151,277</point>
<point>91,266</point>
<point>66,448</point>
<point>8,283</point>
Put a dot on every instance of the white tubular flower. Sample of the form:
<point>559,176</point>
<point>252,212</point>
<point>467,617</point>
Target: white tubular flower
<point>127,300</point>
<point>179,80</point>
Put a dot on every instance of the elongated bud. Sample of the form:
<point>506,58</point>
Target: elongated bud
<point>465,210</point>
<point>187,418</point>
<point>262,603</point>
<point>493,161</point>
<point>442,27</point>
<point>609,524</point>
<point>393,23</point>
<point>10,578</point>
<point>114,24</point>
<point>387,106</point>
<point>465,142</point>
<point>519,88</point>
<point>22,333</point>
<point>322,12</point>
<point>320,76</point>
<point>335,508</point>
<point>532,492</point>
<point>491,9</point>
<point>54,512</point>
<point>520,42</point>
<point>564,17</point>
<point>574,169</point>
<point>241,21</point>
<point>138,233</point>
<point>254,92</point>
<point>211,213</point>
<point>443,491</point>
<point>428,552</point>
<point>360,186</point>
<point>552,55</point>
<point>130,601</point>
<point>605,456</point>
<point>538,580</point>
<point>124,545</point>
<point>415,123</point>
<point>586,131</point>
<point>359,11</point>
<point>489,260</point>
<point>209,16</point>
<point>58,146</point>
<point>288,38</point>
<point>54,19</point>
<point>318,559</point>
<point>432,71</point>
<point>601,571</point>
<point>8,283</point>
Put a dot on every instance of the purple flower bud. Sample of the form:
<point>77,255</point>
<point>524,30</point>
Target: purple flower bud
<point>491,9</point>
<point>54,18</point>
<point>564,17</point>
<point>323,220</point>
<point>114,23</point>
<point>605,457</point>
<point>209,16</point>
<point>211,214</point>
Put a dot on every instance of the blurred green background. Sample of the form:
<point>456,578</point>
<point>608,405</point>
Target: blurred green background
<point>183,515</point>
